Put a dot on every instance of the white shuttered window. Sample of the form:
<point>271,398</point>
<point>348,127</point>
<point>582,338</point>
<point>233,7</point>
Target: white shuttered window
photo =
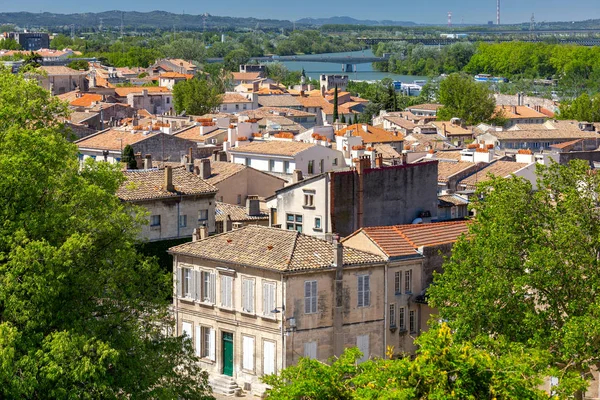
<point>310,297</point>
<point>269,298</point>
<point>364,291</point>
<point>310,350</point>
<point>362,342</point>
<point>248,353</point>
<point>208,287</point>
<point>226,291</point>
<point>248,295</point>
<point>268,357</point>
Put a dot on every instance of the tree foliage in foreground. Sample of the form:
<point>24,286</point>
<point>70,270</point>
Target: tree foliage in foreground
<point>583,108</point>
<point>197,96</point>
<point>442,369</point>
<point>528,271</point>
<point>82,314</point>
<point>466,99</point>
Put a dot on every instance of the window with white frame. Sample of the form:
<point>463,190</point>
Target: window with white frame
<point>310,297</point>
<point>187,281</point>
<point>310,350</point>
<point>205,342</point>
<point>226,291</point>
<point>412,323</point>
<point>269,298</point>
<point>248,353</point>
<point>182,221</point>
<point>397,282</point>
<point>187,329</point>
<point>268,357</point>
<point>248,295</point>
<point>408,281</point>
<point>318,223</point>
<point>392,315</point>
<point>208,287</point>
<point>309,199</point>
<point>401,318</point>
<point>364,291</point>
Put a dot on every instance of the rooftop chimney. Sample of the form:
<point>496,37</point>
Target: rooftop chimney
<point>203,232</point>
<point>379,160</point>
<point>252,206</point>
<point>338,252</point>
<point>205,168</point>
<point>297,176</point>
<point>365,128</point>
<point>169,180</point>
<point>148,161</point>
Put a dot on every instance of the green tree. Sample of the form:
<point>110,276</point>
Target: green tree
<point>335,104</point>
<point>9,44</point>
<point>235,58</point>
<point>128,157</point>
<point>82,314</point>
<point>196,96</point>
<point>343,119</point>
<point>583,108</point>
<point>277,71</point>
<point>442,369</point>
<point>31,61</point>
<point>528,269</point>
<point>466,99</point>
<point>60,42</point>
<point>81,65</point>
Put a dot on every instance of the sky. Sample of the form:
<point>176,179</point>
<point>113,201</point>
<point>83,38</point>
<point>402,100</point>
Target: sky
<point>426,11</point>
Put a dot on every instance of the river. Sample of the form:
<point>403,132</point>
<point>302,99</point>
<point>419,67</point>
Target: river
<point>364,72</point>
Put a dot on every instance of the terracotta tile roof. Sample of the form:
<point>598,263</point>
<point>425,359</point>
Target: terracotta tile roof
<point>193,134</point>
<point>312,101</point>
<point>359,99</point>
<point>56,70</point>
<point>279,101</point>
<point>181,63</point>
<point>550,134</point>
<point>263,112</point>
<point>274,147</point>
<point>565,145</point>
<point>149,185</point>
<point>112,139</point>
<point>405,240</point>
<point>447,169</point>
<point>451,129</point>
<point>236,213</point>
<point>246,76</point>
<point>501,169</point>
<point>69,96</point>
<point>124,91</point>
<point>86,100</point>
<point>372,135</point>
<point>387,151</point>
<point>424,142</point>
<point>221,170</point>
<point>78,117</point>
<point>175,75</point>
<point>521,112</point>
<point>234,98</point>
<point>401,122</point>
<point>448,155</point>
<point>427,107</point>
<point>272,248</point>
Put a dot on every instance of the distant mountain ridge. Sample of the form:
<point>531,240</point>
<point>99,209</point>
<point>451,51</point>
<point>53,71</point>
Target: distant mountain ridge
<point>138,20</point>
<point>352,21</point>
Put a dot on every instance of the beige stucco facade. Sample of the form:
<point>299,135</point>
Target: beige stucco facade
<point>236,188</point>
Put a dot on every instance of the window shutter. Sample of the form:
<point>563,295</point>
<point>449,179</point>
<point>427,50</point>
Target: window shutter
<point>213,288</point>
<point>196,282</point>
<point>367,289</point>
<point>223,291</point>
<point>307,300</point>
<point>268,358</point>
<point>251,296</point>
<point>314,297</point>
<point>212,349</point>
<point>179,281</point>
<point>362,342</point>
<point>187,330</point>
<point>198,340</point>
<point>266,303</point>
<point>248,353</point>
<point>310,350</point>
<point>244,294</point>
<point>361,291</point>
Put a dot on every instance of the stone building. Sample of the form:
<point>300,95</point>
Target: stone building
<point>178,201</point>
<point>256,299</point>
<point>413,253</point>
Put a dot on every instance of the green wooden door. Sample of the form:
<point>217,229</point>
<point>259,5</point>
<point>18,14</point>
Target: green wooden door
<point>228,353</point>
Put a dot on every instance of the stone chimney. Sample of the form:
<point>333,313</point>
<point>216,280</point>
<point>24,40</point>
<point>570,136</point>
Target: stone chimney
<point>168,186</point>
<point>148,161</point>
<point>252,206</point>
<point>404,158</point>
<point>338,252</point>
<point>189,166</point>
<point>203,232</point>
<point>196,235</point>
<point>196,170</point>
<point>227,223</point>
<point>205,168</point>
<point>297,176</point>
<point>139,161</point>
<point>379,161</point>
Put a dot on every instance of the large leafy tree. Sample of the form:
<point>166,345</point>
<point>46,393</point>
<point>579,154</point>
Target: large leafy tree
<point>442,369</point>
<point>196,96</point>
<point>583,108</point>
<point>82,314</point>
<point>466,99</point>
<point>528,270</point>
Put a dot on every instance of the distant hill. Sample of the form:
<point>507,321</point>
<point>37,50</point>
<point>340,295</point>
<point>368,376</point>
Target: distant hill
<point>352,21</point>
<point>138,20</point>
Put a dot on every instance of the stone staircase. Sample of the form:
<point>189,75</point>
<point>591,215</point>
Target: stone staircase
<point>223,384</point>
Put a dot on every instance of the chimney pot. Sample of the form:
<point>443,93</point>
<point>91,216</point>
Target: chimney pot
<point>169,179</point>
<point>338,252</point>
<point>297,177</point>
<point>148,161</point>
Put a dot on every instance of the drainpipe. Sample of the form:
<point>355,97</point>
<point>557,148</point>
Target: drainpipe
<point>178,224</point>
<point>385,307</point>
<point>283,341</point>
